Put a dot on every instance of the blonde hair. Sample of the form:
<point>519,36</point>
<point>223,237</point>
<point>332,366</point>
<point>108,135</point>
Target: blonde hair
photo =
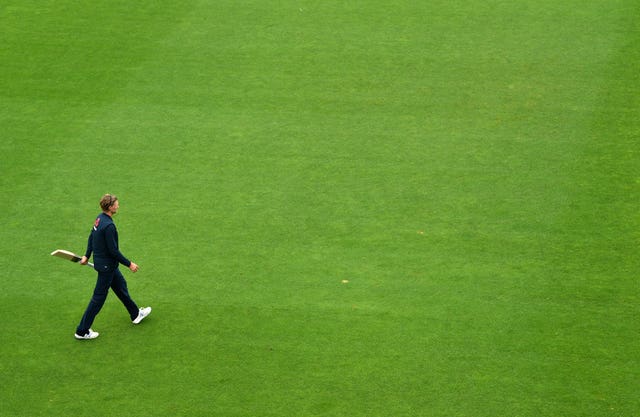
<point>107,201</point>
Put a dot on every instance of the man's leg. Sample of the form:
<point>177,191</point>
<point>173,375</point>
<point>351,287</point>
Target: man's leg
<point>100,293</point>
<point>119,287</point>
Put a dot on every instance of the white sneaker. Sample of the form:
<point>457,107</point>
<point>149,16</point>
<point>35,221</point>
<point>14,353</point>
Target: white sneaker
<point>144,312</point>
<point>90,335</point>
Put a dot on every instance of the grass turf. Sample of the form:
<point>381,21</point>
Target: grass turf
<point>470,168</point>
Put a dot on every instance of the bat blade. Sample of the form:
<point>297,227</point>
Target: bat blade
<point>65,254</point>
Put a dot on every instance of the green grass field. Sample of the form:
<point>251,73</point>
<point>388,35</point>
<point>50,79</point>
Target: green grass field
<point>339,208</point>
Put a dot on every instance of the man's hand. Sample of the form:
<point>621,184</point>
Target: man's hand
<point>84,260</point>
<point>133,267</point>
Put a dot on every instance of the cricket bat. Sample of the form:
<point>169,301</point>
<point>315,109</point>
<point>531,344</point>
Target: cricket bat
<point>65,254</point>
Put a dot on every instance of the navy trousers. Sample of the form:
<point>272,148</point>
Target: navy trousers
<point>115,281</point>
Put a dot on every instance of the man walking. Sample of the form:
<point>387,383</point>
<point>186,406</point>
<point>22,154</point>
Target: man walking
<point>103,243</point>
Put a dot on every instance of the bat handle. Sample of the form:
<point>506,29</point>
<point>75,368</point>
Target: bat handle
<point>90,264</point>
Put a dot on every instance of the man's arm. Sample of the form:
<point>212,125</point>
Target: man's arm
<point>89,251</point>
<point>112,247</point>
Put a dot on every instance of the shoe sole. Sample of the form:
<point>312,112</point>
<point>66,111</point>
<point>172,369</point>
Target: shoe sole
<point>85,338</point>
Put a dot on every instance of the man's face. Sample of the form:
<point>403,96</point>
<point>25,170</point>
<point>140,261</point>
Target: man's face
<point>114,207</point>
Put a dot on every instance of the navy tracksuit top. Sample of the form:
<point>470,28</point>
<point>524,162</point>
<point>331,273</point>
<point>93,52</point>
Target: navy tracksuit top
<point>103,243</point>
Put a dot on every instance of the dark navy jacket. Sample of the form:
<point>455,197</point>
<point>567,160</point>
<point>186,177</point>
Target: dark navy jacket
<point>103,242</point>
